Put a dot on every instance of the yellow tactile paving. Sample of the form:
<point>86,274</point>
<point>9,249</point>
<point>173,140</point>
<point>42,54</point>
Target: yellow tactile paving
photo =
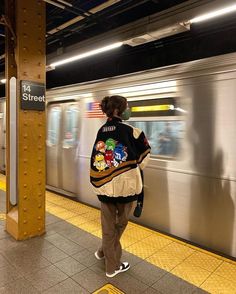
<point>56,209</point>
<point>98,233</point>
<point>164,260</point>
<point>67,214</point>
<point>178,250</point>
<point>204,261</point>
<point>218,285</point>
<point>90,226</point>
<point>156,241</point>
<point>127,241</point>
<point>209,271</point>
<point>2,185</point>
<point>2,216</point>
<point>141,249</point>
<point>227,270</point>
<point>77,220</point>
<point>190,273</point>
<point>92,215</point>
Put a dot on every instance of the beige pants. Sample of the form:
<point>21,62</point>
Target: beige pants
<point>114,218</point>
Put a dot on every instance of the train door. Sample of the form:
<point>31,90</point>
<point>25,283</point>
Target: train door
<point>69,146</point>
<point>53,144</point>
<point>62,141</point>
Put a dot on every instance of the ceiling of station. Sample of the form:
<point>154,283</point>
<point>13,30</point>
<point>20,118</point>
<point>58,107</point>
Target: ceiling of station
<point>72,23</point>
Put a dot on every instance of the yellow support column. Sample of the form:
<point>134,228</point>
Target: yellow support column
<point>26,189</point>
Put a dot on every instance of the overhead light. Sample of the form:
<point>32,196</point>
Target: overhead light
<point>87,54</point>
<point>162,32</point>
<point>3,81</point>
<point>213,14</point>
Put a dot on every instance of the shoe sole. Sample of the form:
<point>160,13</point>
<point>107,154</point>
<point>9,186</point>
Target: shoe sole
<point>117,272</point>
<point>98,257</point>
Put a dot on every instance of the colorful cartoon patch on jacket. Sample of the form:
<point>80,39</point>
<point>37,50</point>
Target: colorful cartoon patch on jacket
<point>120,153</point>
<point>110,153</point>
<point>99,162</point>
<point>110,144</point>
<point>100,146</point>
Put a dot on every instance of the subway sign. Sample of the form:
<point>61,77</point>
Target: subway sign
<point>153,107</point>
<point>32,96</point>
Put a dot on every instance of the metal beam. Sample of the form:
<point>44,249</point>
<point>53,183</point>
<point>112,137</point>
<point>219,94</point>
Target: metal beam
<point>25,73</point>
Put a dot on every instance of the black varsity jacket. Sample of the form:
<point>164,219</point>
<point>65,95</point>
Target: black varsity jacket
<point>119,152</point>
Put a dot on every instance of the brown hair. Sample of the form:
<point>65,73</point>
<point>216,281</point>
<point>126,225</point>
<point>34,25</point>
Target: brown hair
<point>110,103</point>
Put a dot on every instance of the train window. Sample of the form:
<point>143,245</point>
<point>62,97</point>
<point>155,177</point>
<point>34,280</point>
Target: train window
<point>54,117</point>
<point>71,126</point>
<point>164,136</point>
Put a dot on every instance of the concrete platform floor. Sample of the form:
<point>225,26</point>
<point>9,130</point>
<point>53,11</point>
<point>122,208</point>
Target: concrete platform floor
<point>62,261</point>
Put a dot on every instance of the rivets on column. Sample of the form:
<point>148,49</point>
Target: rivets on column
<point>39,159</point>
<point>25,185</point>
<point>25,135</point>
<point>25,160</point>
<point>25,221</point>
<point>24,209</point>
<point>25,197</point>
<point>25,173</point>
<point>39,194</point>
<point>25,148</point>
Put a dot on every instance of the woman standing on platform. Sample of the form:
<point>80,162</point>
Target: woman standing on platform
<point>119,152</point>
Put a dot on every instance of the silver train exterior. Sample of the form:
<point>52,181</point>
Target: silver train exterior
<point>188,114</point>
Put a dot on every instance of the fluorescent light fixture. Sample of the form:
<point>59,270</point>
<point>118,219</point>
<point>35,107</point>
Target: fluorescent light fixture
<point>148,89</point>
<point>3,81</point>
<point>213,14</point>
<point>87,54</point>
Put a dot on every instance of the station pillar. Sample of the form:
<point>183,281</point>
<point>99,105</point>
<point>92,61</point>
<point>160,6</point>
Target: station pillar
<point>25,99</point>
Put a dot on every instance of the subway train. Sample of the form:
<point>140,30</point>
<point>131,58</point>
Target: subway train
<point>187,112</point>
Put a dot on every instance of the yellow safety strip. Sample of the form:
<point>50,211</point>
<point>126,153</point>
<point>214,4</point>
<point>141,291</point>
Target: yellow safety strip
<point>2,186</point>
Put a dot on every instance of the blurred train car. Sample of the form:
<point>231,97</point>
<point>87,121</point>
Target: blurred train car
<point>187,112</point>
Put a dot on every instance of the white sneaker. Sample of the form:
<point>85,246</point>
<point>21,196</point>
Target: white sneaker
<point>98,257</point>
<point>123,268</point>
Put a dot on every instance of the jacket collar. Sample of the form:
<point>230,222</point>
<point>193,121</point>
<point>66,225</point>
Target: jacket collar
<point>114,119</point>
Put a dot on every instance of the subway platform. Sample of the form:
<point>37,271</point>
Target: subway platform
<point>62,261</point>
